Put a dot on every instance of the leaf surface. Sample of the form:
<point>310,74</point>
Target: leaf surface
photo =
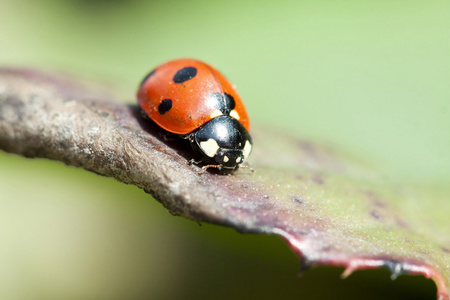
<point>332,209</point>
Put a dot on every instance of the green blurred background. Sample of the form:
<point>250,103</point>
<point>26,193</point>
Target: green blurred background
<point>368,77</point>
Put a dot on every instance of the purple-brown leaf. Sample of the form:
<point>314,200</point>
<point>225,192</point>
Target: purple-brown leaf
<point>329,208</point>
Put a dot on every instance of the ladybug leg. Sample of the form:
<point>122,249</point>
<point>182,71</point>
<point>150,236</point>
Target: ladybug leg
<point>194,162</point>
<point>144,115</point>
<point>204,168</point>
<point>247,167</point>
<point>168,137</point>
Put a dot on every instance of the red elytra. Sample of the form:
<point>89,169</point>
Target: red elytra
<point>178,96</point>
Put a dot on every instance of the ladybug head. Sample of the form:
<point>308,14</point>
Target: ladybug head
<point>222,141</point>
<point>229,158</point>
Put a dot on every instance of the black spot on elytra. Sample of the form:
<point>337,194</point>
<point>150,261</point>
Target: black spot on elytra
<point>164,106</point>
<point>185,74</point>
<point>148,76</point>
<point>223,102</point>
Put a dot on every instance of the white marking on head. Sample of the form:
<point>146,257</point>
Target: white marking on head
<point>234,114</point>
<point>238,160</point>
<point>225,159</point>
<point>210,147</point>
<point>215,113</point>
<point>247,149</point>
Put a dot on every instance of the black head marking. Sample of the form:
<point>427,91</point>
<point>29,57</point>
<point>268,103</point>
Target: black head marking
<point>164,106</point>
<point>223,102</point>
<point>148,76</point>
<point>185,74</point>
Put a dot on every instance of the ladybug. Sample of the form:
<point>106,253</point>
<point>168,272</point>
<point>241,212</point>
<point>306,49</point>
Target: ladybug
<point>192,99</point>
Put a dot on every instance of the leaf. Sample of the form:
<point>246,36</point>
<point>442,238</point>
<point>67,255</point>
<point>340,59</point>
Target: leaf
<point>330,208</point>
